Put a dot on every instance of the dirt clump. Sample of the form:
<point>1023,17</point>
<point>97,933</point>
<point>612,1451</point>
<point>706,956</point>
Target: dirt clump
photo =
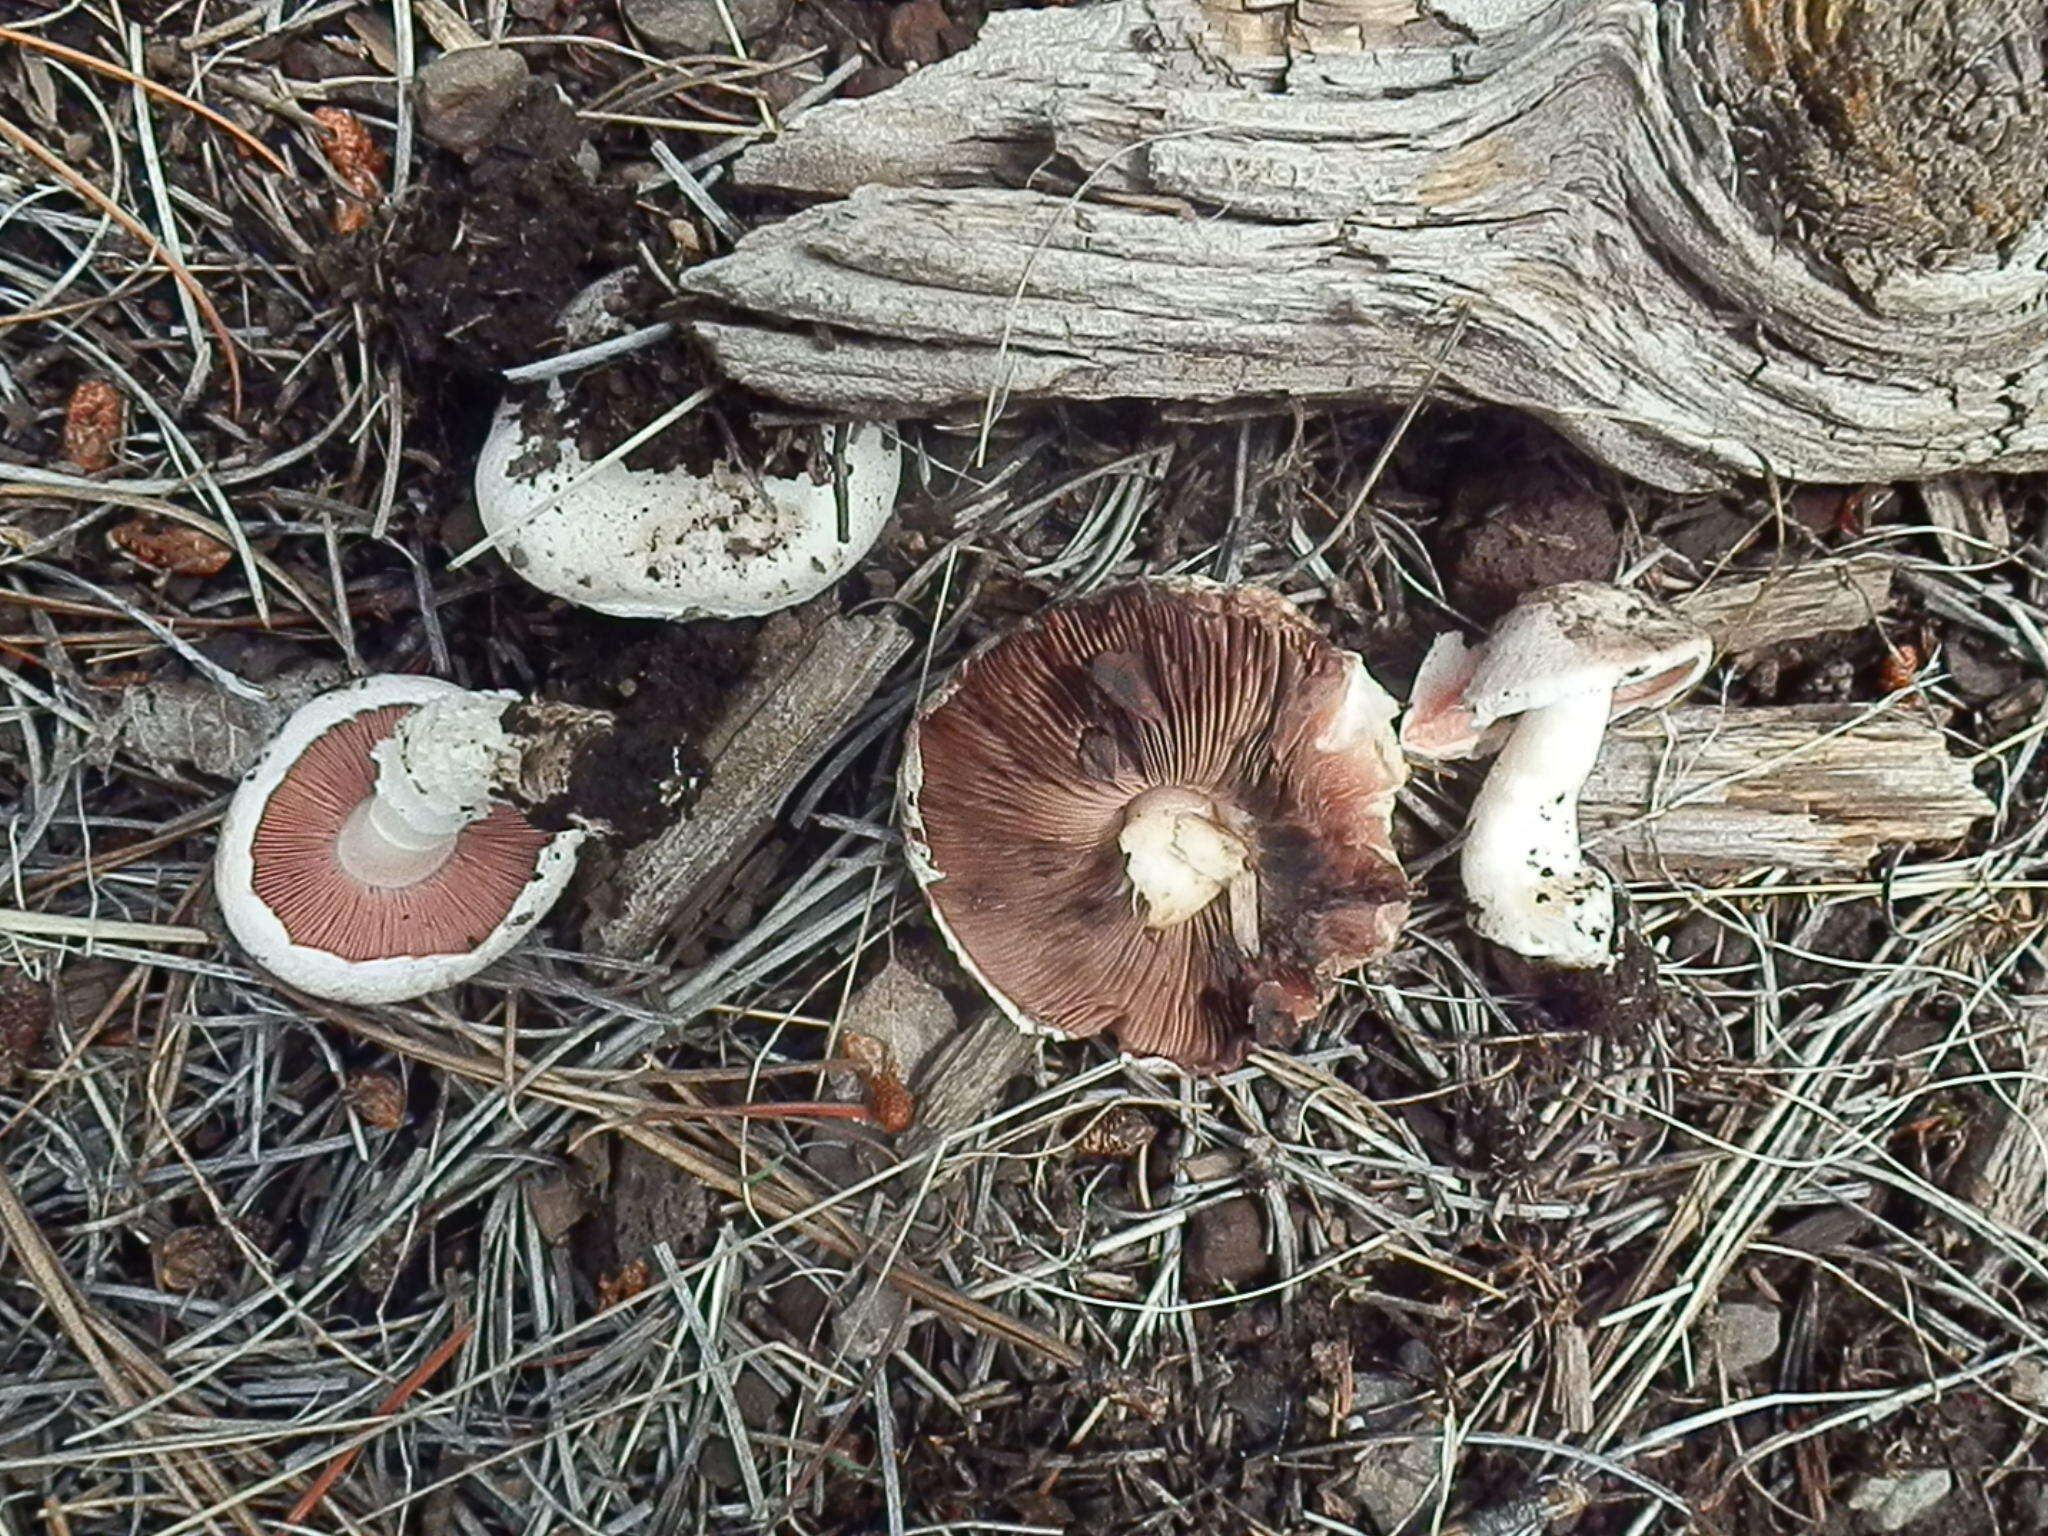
<point>1511,533</point>
<point>481,258</point>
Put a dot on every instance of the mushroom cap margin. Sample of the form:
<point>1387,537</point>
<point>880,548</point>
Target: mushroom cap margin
<point>257,929</point>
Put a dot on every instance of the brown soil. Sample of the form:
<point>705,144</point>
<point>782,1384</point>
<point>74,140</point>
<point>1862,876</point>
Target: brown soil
<point>474,269</point>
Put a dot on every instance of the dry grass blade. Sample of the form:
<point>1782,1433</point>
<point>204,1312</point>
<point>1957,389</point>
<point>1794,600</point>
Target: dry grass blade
<point>400,1395</point>
<point>156,88</point>
<point>195,1477</point>
<point>636,1119</point>
<point>182,275</point>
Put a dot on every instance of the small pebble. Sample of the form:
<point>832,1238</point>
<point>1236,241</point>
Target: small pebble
<point>1891,1503</point>
<point>696,26</point>
<point>1226,1246</point>
<point>1744,1335</point>
<point>1395,1479</point>
<point>464,96</point>
<point>2029,1382</point>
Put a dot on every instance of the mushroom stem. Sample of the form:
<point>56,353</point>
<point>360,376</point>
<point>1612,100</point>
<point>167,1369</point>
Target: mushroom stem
<point>1530,886</point>
<point>1180,858</point>
<point>435,776</point>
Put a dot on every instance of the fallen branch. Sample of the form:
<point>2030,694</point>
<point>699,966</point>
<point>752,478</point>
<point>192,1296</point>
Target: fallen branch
<point>1706,791</point>
<point>774,732</point>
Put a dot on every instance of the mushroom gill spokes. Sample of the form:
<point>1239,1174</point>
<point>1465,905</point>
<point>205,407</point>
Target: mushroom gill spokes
<point>1182,849</point>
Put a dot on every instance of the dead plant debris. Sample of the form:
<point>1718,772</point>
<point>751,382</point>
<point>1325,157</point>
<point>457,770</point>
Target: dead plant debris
<point>1719,1244</point>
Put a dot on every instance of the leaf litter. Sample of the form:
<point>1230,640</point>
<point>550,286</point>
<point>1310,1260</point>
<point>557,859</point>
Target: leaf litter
<point>1469,1260</point>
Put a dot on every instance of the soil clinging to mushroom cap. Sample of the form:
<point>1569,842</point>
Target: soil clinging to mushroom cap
<point>1019,776</point>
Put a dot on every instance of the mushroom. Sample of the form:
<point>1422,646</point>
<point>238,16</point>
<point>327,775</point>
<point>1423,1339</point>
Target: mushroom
<point>1542,691</point>
<point>369,855</point>
<point>674,543</point>
<point>1161,813</point>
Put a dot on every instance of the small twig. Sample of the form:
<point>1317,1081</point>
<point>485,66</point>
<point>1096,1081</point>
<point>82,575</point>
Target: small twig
<point>338,1468</point>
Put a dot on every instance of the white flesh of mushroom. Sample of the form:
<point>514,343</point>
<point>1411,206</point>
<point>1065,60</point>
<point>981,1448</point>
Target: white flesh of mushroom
<point>1181,852</point>
<point>1179,858</point>
<point>434,777</point>
<point>1530,887</point>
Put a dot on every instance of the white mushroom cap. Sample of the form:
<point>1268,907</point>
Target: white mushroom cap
<point>1559,643</point>
<point>1585,637</point>
<point>285,900</point>
<point>669,544</point>
<point>1541,690</point>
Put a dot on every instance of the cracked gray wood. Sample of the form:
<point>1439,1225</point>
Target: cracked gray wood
<point>779,724</point>
<point>1705,240</point>
<point>1703,791</point>
<point>2005,1171</point>
<point>1746,614</point>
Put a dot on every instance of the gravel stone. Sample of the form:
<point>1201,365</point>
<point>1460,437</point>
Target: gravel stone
<point>1891,1503</point>
<point>464,96</point>
<point>695,26</point>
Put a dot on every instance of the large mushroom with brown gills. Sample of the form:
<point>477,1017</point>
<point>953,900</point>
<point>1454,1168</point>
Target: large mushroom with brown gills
<point>1160,813</point>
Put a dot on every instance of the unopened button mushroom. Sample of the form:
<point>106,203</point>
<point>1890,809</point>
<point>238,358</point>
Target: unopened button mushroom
<point>1160,814</point>
<point>727,541</point>
<point>369,855</point>
<point>1542,690</point>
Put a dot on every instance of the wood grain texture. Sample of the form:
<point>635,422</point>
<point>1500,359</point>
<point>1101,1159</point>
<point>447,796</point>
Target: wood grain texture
<point>1819,597</point>
<point>1821,789</point>
<point>1170,199</point>
<point>774,732</point>
<point>2005,1171</point>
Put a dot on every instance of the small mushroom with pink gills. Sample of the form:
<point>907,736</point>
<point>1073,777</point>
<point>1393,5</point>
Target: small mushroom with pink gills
<point>1541,691</point>
<point>371,854</point>
<point>1160,813</point>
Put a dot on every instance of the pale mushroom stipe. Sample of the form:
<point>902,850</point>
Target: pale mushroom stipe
<point>1542,691</point>
<point>367,856</point>
<point>1159,813</point>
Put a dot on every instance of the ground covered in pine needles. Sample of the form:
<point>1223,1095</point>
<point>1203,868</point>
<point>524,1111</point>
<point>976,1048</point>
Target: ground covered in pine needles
<point>1747,1241</point>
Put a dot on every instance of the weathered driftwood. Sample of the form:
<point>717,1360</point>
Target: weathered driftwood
<point>1704,238</point>
<point>1969,518</point>
<point>963,1083</point>
<point>1703,791</point>
<point>1821,597</point>
<point>958,1076</point>
<point>173,722</point>
<point>774,731</point>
